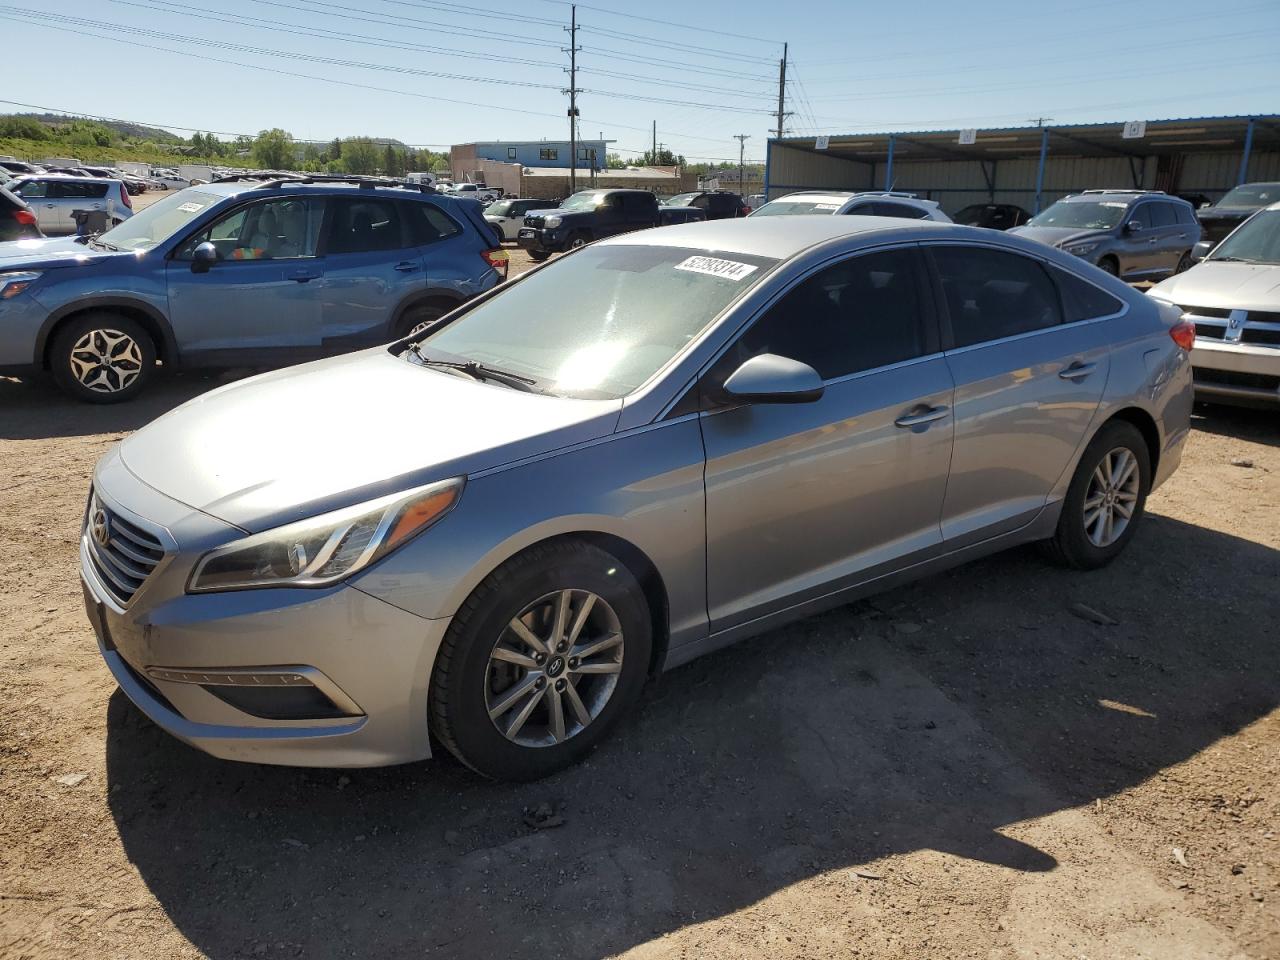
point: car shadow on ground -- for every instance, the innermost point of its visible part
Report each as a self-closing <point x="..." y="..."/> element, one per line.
<point x="931" y="717"/>
<point x="1245" y="423"/>
<point x="34" y="409"/>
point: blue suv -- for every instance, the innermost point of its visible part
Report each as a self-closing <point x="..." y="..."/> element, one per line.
<point x="241" y="272"/>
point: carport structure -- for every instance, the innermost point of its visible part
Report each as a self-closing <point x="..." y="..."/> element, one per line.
<point x="1035" y="165"/>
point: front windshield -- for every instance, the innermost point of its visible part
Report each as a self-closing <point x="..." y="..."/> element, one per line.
<point x="680" y="200"/>
<point x="586" y="200"/>
<point x="1252" y="195"/>
<point x="160" y="221"/>
<point x="608" y="317"/>
<point x="793" y="207"/>
<point x="1256" y="241"/>
<point x="1081" y="214"/>
<point x="500" y="208"/>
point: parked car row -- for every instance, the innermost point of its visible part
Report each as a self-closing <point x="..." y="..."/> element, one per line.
<point x="590" y="215"/>
<point x="55" y="199"/>
<point x="652" y="447"/>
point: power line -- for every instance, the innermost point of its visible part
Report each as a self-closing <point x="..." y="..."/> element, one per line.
<point x="666" y="23"/>
<point x="671" y="44"/>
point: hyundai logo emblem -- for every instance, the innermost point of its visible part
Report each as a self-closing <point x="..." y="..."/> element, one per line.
<point x="100" y="527"/>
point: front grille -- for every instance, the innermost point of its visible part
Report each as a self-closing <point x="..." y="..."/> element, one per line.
<point x="1269" y="338"/>
<point x="534" y="222"/>
<point x="1206" y="311"/>
<point x="1263" y="316"/>
<point x="122" y="553"/>
<point x="1210" y="331"/>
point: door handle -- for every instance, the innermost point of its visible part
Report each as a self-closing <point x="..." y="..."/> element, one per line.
<point x="1077" y="371"/>
<point x="408" y="266"/>
<point x="925" y="416"/>
<point x="50" y="205"/>
<point x="302" y="276"/>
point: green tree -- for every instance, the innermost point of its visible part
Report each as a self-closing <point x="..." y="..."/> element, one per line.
<point x="392" y="162"/>
<point x="664" y="158"/>
<point x="25" y="128"/>
<point x="273" y="149"/>
<point x="359" y="156"/>
<point x="614" y="161"/>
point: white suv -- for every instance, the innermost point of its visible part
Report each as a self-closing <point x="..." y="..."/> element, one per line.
<point x="869" y="203"/>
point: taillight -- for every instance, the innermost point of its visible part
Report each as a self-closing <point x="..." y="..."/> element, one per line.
<point x="497" y="259"/>
<point x="1184" y="334"/>
<point x="25" y="217"/>
<point x="124" y="196"/>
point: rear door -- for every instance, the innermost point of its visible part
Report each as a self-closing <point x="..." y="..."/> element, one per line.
<point x="805" y="499"/>
<point x="372" y="264"/>
<point x="71" y="196"/>
<point x="639" y="210"/>
<point x="260" y="303"/>
<point x="1027" y="384"/>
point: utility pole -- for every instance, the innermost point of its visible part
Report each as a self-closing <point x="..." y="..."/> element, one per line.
<point x="742" y="139"/>
<point x="782" y="91"/>
<point x="573" y="98"/>
<point x="655" y="143"/>
<point x="1039" y="121"/>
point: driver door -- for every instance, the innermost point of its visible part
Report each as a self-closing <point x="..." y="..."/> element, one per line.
<point x="261" y="301"/>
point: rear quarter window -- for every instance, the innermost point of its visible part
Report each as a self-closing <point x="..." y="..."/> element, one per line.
<point x="428" y="223"/>
<point x="1081" y="300"/>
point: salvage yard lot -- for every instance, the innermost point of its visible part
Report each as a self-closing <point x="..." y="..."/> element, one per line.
<point x="960" y="768"/>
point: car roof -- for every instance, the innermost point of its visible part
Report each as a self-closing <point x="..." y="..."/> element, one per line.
<point x="781" y="237"/>
<point x="65" y="176"/>
<point x="234" y="188"/>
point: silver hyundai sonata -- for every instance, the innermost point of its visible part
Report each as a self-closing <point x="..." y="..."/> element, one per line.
<point x="496" y="530"/>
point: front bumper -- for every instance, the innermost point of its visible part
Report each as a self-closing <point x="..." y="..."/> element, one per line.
<point x="1236" y="371"/>
<point x="541" y="241"/>
<point x="367" y="659"/>
<point x="21" y="318"/>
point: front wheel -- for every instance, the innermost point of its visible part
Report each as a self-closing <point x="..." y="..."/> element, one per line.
<point x="1109" y="265"/>
<point x="102" y="358"/>
<point x="538" y="256"/>
<point x="1105" y="500"/>
<point x="579" y="239"/>
<point x="541" y="660"/>
<point x="1184" y="263"/>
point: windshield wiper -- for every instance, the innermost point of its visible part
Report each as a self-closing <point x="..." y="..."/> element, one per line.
<point x="99" y="242"/>
<point x="1233" y="260"/>
<point x="476" y="370"/>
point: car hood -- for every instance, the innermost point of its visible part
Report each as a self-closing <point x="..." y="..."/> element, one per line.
<point x="298" y="442"/>
<point x="1225" y="213"/>
<point x="1229" y="286"/>
<point x="48" y="253"/>
<point x="1058" y="236"/>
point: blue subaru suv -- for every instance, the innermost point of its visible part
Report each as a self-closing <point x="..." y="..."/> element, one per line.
<point x="243" y="272"/>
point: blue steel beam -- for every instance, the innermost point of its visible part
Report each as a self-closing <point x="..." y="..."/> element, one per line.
<point x="1244" y="159"/>
<point x="1044" y="149"/>
<point x="888" y="167"/>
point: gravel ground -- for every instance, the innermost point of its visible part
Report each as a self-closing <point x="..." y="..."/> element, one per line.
<point x="961" y="768"/>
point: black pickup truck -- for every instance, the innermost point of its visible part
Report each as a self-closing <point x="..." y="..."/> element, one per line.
<point x="592" y="214"/>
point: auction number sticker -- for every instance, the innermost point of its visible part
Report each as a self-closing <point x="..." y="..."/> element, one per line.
<point x="190" y="207"/>
<point x="714" y="267"/>
<point x="826" y="206"/>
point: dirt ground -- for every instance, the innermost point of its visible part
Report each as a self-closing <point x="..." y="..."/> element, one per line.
<point x="959" y="768"/>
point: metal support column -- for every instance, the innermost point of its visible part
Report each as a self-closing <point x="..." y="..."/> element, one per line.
<point x="1244" y="160"/>
<point x="1044" y="149"/>
<point x="888" y="167"/>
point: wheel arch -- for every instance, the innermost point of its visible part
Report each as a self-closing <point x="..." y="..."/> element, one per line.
<point x="151" y="319"/>
<point x="1146" y="425"/>
<point x="447" y="301"/>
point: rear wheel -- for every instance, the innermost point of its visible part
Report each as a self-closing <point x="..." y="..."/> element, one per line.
<point x="102" y="358"/>
<point x="541" y="660"/>
<point x="1105" y="500"/>
<point x="418" y="319"/>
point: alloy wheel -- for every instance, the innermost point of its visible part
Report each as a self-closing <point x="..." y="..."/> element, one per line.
<point x="554" y="668"/>
<point x="1112" y="497"/>
<point x="106" y="360"/>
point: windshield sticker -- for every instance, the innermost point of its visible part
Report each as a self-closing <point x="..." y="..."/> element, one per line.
<point x="826" y="206"/>
<point x="1112" y="203"/>
<point x="713" y="267"/>
<point x="190" y="207"/>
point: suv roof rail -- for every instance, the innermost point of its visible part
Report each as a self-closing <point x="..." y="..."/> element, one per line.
<point x="1123" y="190"/>
<point x="365" y="183"/>
<point x="889" y="193"/>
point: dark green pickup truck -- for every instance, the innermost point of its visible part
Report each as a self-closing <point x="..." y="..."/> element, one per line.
<point x="592" y="214"/>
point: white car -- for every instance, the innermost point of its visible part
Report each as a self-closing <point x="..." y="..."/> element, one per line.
<point x="476" y="191"/>
<point x="507" y="215"/>
<point x="1233" y="298"/>
<point x="868" y="203"/>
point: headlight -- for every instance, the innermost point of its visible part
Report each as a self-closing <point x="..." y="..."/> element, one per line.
<point x="12" y="284"/>
<point x="327" y="548"/>
<point x="1081" y="249"/>
<point x="552" y="222"/>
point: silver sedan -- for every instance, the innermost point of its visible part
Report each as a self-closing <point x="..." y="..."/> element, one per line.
<point x="497" y="530"/>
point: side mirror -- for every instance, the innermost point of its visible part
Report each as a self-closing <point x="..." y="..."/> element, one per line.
<point x="1133" y="226"/>
<point x="1201" y="250"/>
<point x="203" y="257"/>
<point x="769" y="378"/>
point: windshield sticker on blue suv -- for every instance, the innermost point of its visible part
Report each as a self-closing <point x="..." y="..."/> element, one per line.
<point x="713" y="267"/>
<point x="190" y="207"/>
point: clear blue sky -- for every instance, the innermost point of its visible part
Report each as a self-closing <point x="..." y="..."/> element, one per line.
<point x="906" y="65"/>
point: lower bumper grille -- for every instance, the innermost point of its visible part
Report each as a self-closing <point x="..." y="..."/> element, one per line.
<point x="123" y="554"/>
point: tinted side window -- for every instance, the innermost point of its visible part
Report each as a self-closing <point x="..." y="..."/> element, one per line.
<point x="1163" y="214"/>
<point x="1081" y="300"/>
<point x="363" y="225"/>
<point x="862" y="313"/>
<point x="428" y="223"/>
<point x="992" y="294"/>
<point x="865" y="209"/>
<point x="1142" y="214"/>
<point x="33" y="189"/>
<point x="637" y="204"/>
<point x="276" y="229"/>
<point x="68" y="190"/>
<point x="888" y="209"/>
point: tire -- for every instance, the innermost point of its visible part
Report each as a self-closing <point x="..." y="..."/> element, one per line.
<point x="80" y="347"/>
<point x="416" y="317"/>
<point x="538" y="256"/>
<point x="1184" y="263"/>
<point x="468" y="684"/>
<point x="579" y="239"/>
<point x="1076" y="543"/>
<point x="1109" y="265"/>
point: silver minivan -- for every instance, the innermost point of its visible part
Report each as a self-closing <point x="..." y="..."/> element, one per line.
<point x="54" y="198"/>
<point x="650" y="448"/>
